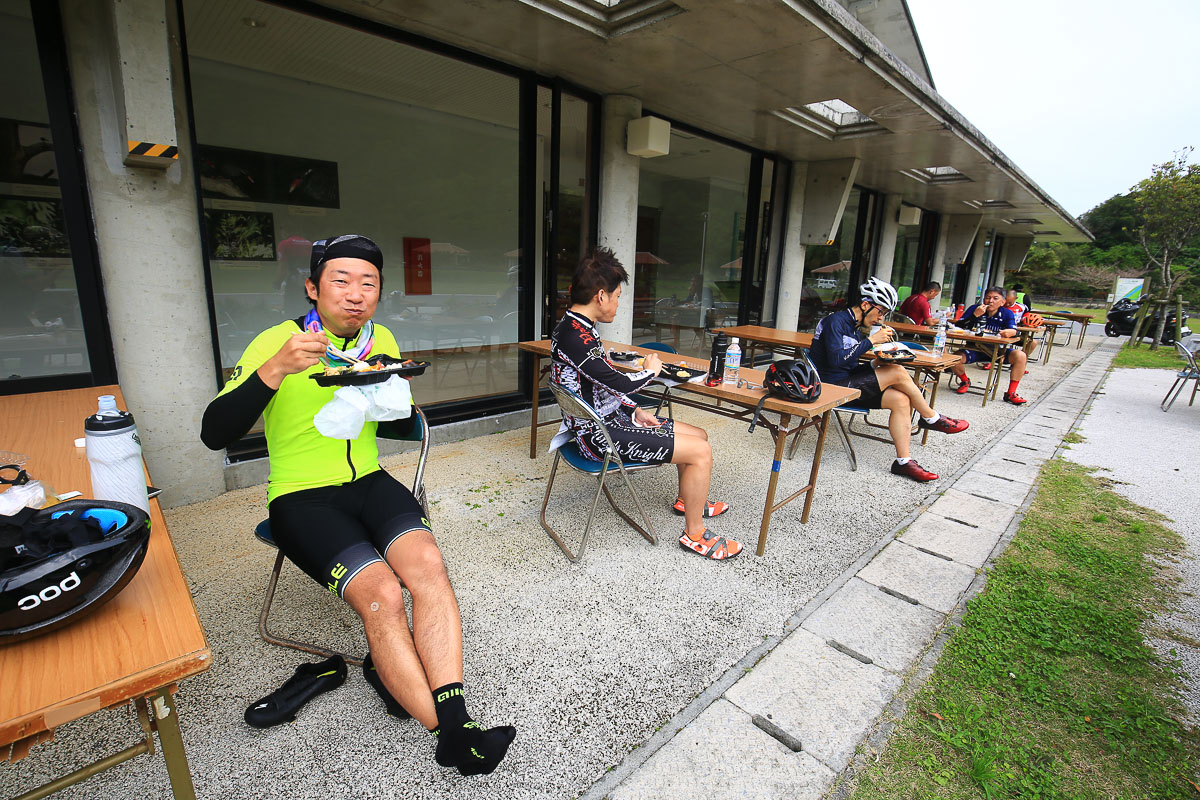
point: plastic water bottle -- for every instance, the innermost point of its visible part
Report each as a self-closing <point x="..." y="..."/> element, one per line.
<point x="733" y="362"/>
<point x="114" y="453"/>
<point x="939" y="339"/>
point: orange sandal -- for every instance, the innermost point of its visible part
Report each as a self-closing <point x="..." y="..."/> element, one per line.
<point x="711" y="510"/>
<point x="716" y="548"/>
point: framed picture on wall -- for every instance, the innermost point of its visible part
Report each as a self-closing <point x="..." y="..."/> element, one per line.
<point x="32" y="227"/>
<point x="240" y="235"/>
<point x="27" y="153"/>
<point x="229" y="173"/>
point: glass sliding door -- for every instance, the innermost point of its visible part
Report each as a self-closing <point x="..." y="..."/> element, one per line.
<point x="833" y="272"/>
<point x="567" y="189"/>
<point x="691" y="231"/>
<point x="307" y="129"/>
<point x="52" y="328"/>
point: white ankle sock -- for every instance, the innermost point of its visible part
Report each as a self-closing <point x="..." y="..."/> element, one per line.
<point x="903" y="461"/>
<point x="930" y="420"/>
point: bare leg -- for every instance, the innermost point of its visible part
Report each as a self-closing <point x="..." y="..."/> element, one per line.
<point x="376" y="596"/>
<point x="1018" y="359"/>
<point x="900" y="420"/>
<point x="693" y="457"/>
<point x="894" y="376"/>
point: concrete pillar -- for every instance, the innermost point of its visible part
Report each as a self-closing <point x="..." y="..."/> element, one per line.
<point x="937" y="271"/>
<point x="618" y="204"/>
<point x="976" y="266"/>
<point x="148" y="232"/>
<point x="887" y="237"/>
<point x="791" y="276"/>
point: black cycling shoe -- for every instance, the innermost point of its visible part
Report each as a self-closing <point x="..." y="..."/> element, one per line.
<point x="309" y="681"/>
<point x="390" y="703"/>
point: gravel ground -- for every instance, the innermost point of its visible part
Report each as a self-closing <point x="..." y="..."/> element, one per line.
<point x="1151" y="456"/>
<point x="587" y="660"/>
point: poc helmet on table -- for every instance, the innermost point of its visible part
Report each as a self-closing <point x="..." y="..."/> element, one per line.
<point x="881" y="293"/>
<point x="62" y="562"/>
<point x="793" y="379"/>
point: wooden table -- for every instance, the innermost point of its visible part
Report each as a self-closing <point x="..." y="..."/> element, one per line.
<point x="134" y="648"/>
<point x="731" y="402"/>
<point x="991" y="346"/>
<point x="927" y="368"/>
<point x="1082" y="319"/>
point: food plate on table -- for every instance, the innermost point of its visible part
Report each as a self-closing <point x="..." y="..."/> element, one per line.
<point x="377" y="369"/>
<point x="675" y="374"/>
<point x="893" y="352"/>
<point x="624" y="355"/>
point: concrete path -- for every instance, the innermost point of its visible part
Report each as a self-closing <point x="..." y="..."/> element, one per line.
<point x="789" y="722"/>
<point x="1151" y="456"/>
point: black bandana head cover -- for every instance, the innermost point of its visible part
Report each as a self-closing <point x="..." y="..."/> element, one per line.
<point x="348" y="246"/>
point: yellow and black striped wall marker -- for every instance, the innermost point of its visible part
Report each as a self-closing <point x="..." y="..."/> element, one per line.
<point x="149" y="154"/>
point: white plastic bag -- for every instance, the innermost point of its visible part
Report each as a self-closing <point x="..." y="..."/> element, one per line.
<point x="343" y="417"/>
<point x="29" y="495"/>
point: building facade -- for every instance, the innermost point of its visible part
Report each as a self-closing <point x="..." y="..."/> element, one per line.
<point x="166" y="164"/>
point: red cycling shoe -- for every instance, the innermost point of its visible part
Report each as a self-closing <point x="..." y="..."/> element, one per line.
<point x="913" y="470"/>
<point x="944" y="424"/>
<point x="964" y="386"/>
<point x="1014" y="398"/>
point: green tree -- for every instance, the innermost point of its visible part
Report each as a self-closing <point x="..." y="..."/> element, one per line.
<point x="1168" y="203"/>
<point x="1113" y="222"/>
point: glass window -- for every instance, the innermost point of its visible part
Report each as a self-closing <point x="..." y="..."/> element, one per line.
<point x="832" y="272"/>
<point x="307" y="129"/>
<point x="904" y="267"/>
<point x="41" y="322"/>
<point x="690" y="231"/>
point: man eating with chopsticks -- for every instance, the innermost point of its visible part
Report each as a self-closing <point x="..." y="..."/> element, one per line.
<point x="344" y="520"/>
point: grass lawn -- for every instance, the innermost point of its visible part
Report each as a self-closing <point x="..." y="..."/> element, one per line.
<point x="1165" y="357"/>
<point x="1048" y="689"/>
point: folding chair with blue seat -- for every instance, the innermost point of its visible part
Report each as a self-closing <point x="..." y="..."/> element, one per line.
<point x="644" y="398"/>
<point x="573" y="405"/>
<point x="845" y="428"/>
<point x="420" y="433"/>
<point x="1188" y="373"/>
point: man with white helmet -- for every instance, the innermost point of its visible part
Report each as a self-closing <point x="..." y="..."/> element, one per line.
<point x="840" y="342"/>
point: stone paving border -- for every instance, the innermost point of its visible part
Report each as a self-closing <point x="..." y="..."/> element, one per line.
<point x="847" y="663"/>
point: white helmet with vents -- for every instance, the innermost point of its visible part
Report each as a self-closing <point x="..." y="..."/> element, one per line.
<point x="881" y="293"/>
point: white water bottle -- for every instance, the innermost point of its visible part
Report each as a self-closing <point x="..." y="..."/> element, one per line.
<point x="733" y="362"/>
<point x="939" y="339"/>
<point x="114" y="453"/>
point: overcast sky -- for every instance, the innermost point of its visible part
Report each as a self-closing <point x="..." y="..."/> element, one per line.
<point x="1084" y="97"/>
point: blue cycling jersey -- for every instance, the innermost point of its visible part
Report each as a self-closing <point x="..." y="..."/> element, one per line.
<point x="837" y="346"/>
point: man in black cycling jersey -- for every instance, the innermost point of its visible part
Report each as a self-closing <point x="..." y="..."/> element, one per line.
<point x="339" y="516"/>
<point x="580" y="363"/>
<point x="839" y="344"/>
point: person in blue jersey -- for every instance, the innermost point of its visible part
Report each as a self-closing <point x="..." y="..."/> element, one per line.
<point x="839" y="344"/>
<point x="993" y="318"/>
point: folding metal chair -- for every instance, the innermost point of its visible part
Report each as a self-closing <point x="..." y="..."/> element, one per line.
<point x="573" y="405"/>
<point x="1188" y="373"/>
<point x="263" y="532"/>
<point x="644" y="398"/>
<point x="845" y="415"/>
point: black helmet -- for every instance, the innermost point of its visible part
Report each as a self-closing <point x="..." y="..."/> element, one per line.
<point x="61" y="562"/>
<point x="794" y="379"/>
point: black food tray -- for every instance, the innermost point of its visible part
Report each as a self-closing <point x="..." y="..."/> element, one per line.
<point x="368" y="378"/>
<point x="671" y="377"/>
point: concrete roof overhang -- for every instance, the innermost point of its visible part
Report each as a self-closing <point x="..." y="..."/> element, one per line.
<point x="734" y="68"/>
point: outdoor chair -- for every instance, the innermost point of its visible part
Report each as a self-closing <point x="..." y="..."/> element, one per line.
<point x="898" y="316"/>
<point x="420" y="434"/>
<point x="1188" y="373"/>
<point x="644" y="398"/>
<point x="574" y="405"/>
<point x="845" y="415"/>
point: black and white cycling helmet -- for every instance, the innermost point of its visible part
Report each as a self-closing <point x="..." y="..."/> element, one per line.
<point x="792" y="379"/>
<point x="62" y="562"/>
<point x="881" y="293"/>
